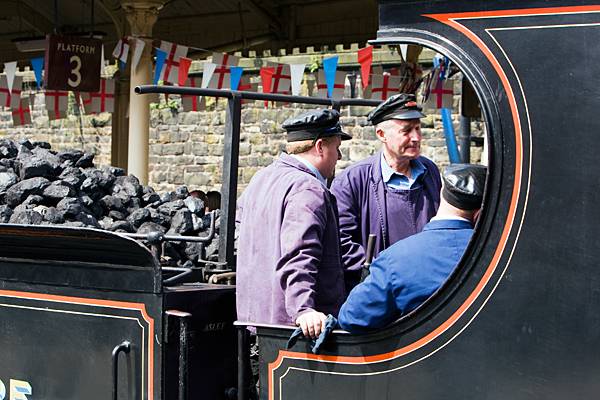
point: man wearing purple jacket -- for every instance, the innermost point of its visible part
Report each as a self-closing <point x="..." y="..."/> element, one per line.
<point x="289" y="266"/>
<point x="392" y="194"/>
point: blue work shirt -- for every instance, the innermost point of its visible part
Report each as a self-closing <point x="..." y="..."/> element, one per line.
<point x="405" y="275"/>
<point x="396" y="180"/>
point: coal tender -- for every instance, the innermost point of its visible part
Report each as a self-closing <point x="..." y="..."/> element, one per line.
<point x="91" y="314"/>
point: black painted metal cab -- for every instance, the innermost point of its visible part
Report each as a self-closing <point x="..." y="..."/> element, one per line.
<point x="519" y="317"/>
<point x="84" y="315"/>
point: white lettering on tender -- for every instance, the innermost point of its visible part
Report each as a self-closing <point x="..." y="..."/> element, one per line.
<point x="19" y="390"/>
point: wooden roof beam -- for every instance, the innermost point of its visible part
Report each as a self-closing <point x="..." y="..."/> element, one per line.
<point x="29" y="16"/>
<point x="273" y="20"/>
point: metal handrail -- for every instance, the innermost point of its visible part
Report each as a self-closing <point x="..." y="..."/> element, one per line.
<point x="226" y="93"/>
<point x="232" y="142"/>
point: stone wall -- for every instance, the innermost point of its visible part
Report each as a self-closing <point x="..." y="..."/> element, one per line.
<point x="186" y="148"/>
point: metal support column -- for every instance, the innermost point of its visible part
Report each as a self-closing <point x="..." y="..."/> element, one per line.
<point x="230" y="175"/>
<point x="142" y="16"/>
<point x="464" y="139"/>
<point x="244" y="371"/>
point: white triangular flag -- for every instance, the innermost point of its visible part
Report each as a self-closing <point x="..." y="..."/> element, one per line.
<point x="404" y="51"/>
<point x="121" y="50"/>
<point x="137" y="52"/>
<point x="9" y="69"/>
<point x="297" y="72"/>
<point x="102" y="72"/>
<point x="209" y="70"/>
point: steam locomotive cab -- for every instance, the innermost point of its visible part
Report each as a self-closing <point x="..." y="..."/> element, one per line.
<point x="518" y="318"/>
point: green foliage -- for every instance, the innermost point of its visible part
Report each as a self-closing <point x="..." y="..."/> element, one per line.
<point x="171" y="104"/>
<point x="316" y="62"/>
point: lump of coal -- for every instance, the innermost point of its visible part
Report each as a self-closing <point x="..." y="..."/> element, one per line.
<point x="26" y="217"/>
<point x="69" y="206"/>
<point x="85" y="161"/>
<point x="195" y="205"/>
<point x="130" y="185"/>
<point x="5" y="213"/>
<point x="8" y="149"/>
<point x="181" y="223"/>
<point x="54" y="216"/>
<point x="58" y="190"/>
<point x="20" y="190"/>
<point x="7" y="179"/>
<point x="150" y="226"/>
<point x="181" y="192"/>
<point x="39" y="162"/>
<point x="138" y="217"/>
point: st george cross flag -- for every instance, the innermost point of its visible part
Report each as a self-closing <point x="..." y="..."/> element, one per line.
<point x="104" y="99"/>
<point x="22" y="114"/>
<point x="281" y="81"/>
<point x="121" y="50"/>
<point x="384" y="86"/>
<point x="174" y="52"/>
<point x="338" y="88"/>
<point x="221" y="77"/>
<point x="192" y="102"/>
<point x="441" y="93"/>
<point x="247" y="86"/>
<point x="10" y="99"/>
<point x="427" y="85"/>
<point x="56" y="103"/>
<point x="85" y="100"/>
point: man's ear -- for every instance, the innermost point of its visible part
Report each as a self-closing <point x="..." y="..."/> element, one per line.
<point x="380" y="134"/>
<point x="319" y="146"/>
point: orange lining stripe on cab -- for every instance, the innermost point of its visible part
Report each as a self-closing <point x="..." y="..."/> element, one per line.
<point x="101" y="303"/>
<point x="449" y="19"/>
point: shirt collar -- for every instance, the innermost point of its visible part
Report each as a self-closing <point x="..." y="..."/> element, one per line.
<point x="312" y="168"/>
<point x="416" y="168"/>
<point x="456" y="218"/>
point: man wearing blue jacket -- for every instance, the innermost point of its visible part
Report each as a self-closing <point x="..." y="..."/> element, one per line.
<point x="412" y="269"/>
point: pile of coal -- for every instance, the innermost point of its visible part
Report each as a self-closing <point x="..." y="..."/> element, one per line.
<point x="40" y="186"/>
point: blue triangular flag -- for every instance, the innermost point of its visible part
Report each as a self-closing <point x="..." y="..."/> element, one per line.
<point x="161" y="56"/>
<point x="236" y="76"/>
<point x="38" y="65"/>
<point x="329" y="67"/>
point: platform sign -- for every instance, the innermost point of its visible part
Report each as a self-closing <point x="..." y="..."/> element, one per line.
<point x="72" y="63"/>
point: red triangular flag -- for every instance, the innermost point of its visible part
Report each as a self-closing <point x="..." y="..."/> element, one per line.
<point x="365" y="59"/>
<point x="184" y="67"/>
<point x="266" y="76"/>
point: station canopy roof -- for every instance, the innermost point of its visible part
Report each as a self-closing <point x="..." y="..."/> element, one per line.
<point x="204" y="26"/>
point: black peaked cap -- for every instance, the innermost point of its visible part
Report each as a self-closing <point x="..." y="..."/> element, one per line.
<point x="313" y="125"/>
<point x="399" y="106"/>
<point x="464" y="185"/>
